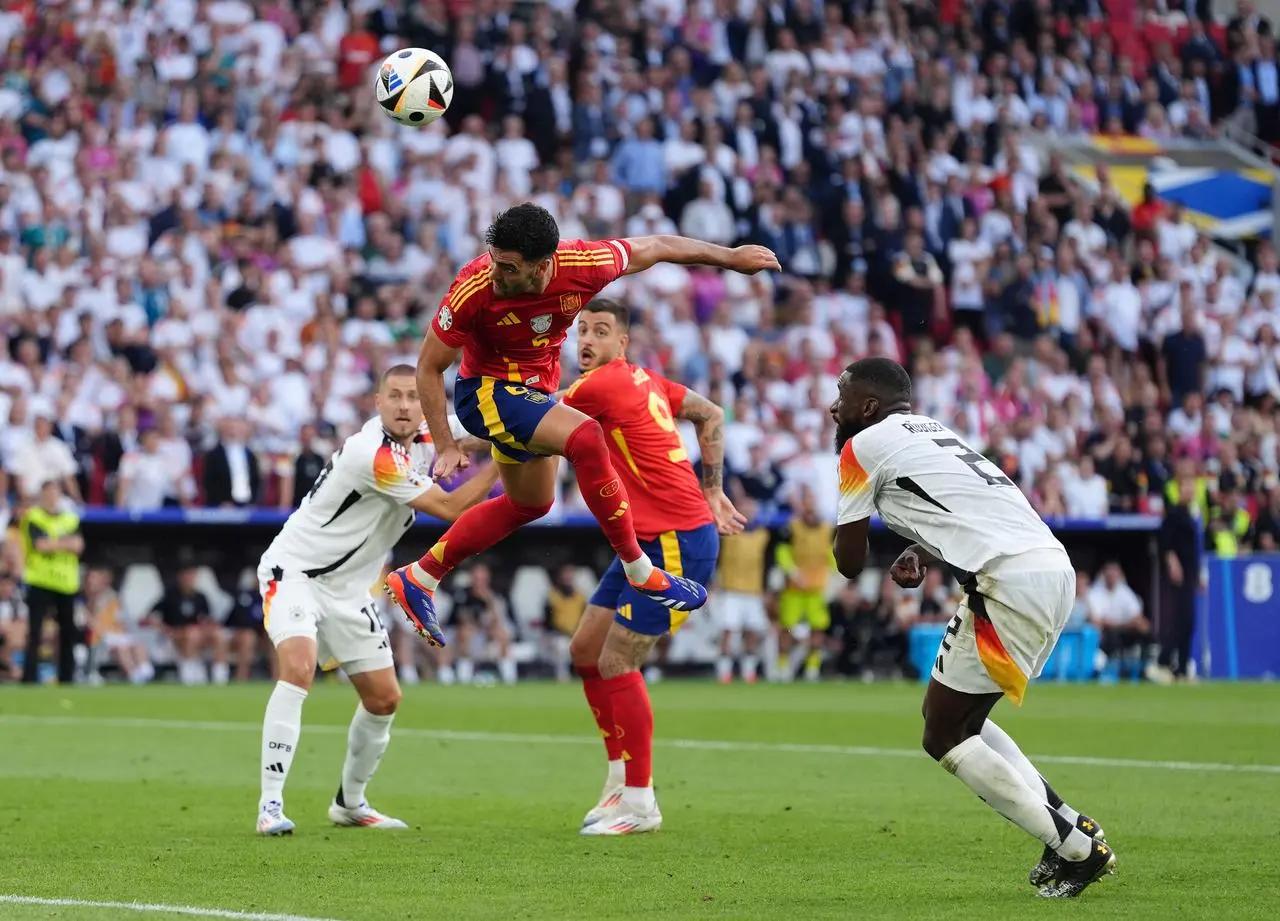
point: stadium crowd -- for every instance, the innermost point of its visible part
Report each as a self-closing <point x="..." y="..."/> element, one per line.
<point x="211" y="240"/>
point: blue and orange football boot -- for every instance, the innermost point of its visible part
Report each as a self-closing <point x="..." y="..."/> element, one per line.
<point x="416" y="601"/>
<point x="674" y="592"/>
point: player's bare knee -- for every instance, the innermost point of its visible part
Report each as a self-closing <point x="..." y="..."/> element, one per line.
<point x="583" y="652"/>
<point x="383" y="701"/>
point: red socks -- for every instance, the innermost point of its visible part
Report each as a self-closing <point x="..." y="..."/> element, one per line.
<point x="601" y="489"/>
<point x="633" y="719"/>
<point x="476" y="530"/>
<point x="601" y="703"/>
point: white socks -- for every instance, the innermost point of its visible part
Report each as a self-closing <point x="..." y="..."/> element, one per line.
<point x="1008" y="749"/>
<point x="424" y="578"/>
<point x="507" y="671"/>
<point x="281" y="726"/>
<point x="724" y="668"/>
<point x="998" y="784"/>
<point x="750" y="668"/>
<point x="639" y="799"/>
<point x="367" y="741"/>
<point x="617" y="773"/>
<point x="638" y="571"/>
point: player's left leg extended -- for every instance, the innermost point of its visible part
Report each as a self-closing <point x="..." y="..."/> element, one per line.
<point x="584" y="651"/>
<point x="367" y="741"/>
<point x="973" y="671"/>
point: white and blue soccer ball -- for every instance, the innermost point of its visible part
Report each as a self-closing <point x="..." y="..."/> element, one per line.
<point x="414" y="86"/>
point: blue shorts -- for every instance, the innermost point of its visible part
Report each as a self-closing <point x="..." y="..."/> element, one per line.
<point x="505" y="414"/>
<point x="691" y="554"/>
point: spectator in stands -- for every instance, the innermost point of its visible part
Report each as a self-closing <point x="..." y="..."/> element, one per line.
<point x="739" y="608"/>
<point x="248" y="635"/>
<point x="52" y="546"/>
<point x="1182" y="537"/>
<point x="804" y="556"/>
<point x="309" y="462"/>
<point x="566" y="603"/>
<point x="478" y="614"/>
<point x="112" y="628"/>
<point x="44" y="457"/>
<point x="231" y="473"/>
<point x="148" y="479"/>
<point x="1117" y="611"/>
<point x="13" y="626"/>
<point x="183" y="612"/>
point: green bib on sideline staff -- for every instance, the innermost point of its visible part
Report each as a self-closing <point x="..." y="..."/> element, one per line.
<point x="59" y="570"/>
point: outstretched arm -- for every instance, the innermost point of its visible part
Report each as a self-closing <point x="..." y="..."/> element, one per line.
<point x="708" y="421"/>
<point x="647" y="252"/>
<point x="433" y="360"/>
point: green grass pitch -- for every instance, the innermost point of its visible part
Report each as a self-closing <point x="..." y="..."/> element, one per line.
<point x="795" y="802"/>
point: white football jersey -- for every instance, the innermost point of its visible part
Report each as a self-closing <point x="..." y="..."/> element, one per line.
<point x="933" y="489"/>
<point x="356" y="511"/>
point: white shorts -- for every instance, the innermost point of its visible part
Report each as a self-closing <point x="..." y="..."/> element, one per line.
<point x="1003" y="634"/>
<point x="345" y="628"/>
<point x="736" y="612"/>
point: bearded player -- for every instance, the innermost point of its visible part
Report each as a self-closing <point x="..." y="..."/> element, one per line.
<point x="965" y="515"/>
<point x="315" y="580"/>
<point x="678" y="523"/>
<point x="508" y="312"/>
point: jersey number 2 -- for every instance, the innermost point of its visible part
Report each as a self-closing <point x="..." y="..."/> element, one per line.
<point x="974" y="460"/>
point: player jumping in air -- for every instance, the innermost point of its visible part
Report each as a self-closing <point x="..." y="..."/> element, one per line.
<point x="315" y="580"/>
<point x="508" y="311"/>
<point x="964" y="514"/>
<point x="678" y="523"/>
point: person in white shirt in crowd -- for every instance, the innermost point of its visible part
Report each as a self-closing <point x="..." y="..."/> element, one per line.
<point x="1086" y="490"/>
<point x="43" y="457"/>
<point x="1116" y="610"/>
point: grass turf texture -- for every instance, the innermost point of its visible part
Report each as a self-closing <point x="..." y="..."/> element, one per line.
<point x="114" y="794"/>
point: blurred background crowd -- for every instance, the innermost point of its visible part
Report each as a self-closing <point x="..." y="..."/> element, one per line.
<point x="211" y="241"/>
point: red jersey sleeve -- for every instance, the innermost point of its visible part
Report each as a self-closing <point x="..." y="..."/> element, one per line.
<point x="674" y="392"/>
<point x="590" y="393"/>
<point x="599" y="262"/>
<point x="461" y="305"/>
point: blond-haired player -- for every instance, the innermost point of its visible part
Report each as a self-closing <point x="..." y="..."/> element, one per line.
<point x="315" y="601"/>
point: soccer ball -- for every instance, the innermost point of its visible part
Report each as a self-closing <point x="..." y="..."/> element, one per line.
<point x="414" y="86"/>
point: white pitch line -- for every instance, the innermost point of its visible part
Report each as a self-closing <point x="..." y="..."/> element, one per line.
<point x="165" y="909"/>
<point x="520" y="738"/>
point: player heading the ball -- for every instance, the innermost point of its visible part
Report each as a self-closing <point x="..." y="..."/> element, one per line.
<point x="507" y="312"/>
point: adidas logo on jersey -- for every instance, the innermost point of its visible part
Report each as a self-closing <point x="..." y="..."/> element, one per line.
<point x="509" y="320"/>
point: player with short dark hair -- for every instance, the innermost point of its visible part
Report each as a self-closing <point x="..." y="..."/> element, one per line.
<point x="964" y="514"/>
<point x="507" y="312"/>
<point x="678" y="522"/>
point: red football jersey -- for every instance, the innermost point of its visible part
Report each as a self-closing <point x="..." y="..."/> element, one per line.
<point x="637" y="409"/>
<point x="518" y="339"/>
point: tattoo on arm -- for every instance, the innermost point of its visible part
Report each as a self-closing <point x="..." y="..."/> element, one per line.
<point x="708" y="419"/>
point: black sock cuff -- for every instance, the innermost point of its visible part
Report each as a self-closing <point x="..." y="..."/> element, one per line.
<point x="1051" y="795"/>
<point x="1062" y="825"/>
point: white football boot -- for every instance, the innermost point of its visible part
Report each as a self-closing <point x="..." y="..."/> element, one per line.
<point x="272" y="820"/>
<point x="362" y="816"/>
<point x="625" y="820"/>
<point x="610" y="800"/>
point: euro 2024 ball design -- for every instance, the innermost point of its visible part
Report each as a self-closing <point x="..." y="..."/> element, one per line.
<point x="414" y="86"/>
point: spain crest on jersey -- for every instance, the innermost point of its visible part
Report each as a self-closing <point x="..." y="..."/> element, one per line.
<point x="540" y="324"/>
<point x="570" y="304"/>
